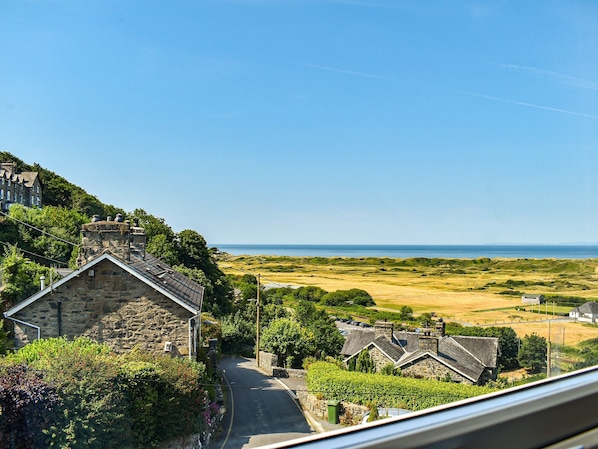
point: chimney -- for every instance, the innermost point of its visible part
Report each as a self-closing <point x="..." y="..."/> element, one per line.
<point x="98" y="237"/>
<point x="428" y="343"/>
<point x="384" y="328"/>
<point x="42" y="282"/>
<point x="439" y="328"/>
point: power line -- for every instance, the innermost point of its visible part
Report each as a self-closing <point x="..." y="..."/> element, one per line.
<point x="34" y="254"/>
<point x="39" y="230"/>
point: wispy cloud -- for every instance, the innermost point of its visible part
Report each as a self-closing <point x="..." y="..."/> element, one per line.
<point x="462" y="92"/>
<point x="529" y="105"/>
<point x="561" y="78"/>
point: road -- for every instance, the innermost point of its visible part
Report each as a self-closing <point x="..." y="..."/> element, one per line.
<point x="259" y="410"/>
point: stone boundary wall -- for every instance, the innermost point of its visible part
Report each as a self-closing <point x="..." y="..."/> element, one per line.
<point x="284" y="373"/>
<point x="349" y="414"/>
<point x="268" y="362"/>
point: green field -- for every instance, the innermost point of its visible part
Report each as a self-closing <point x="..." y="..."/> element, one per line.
<point x="467" y="291"/>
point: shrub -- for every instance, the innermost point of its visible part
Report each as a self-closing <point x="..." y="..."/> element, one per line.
<point x="330" y="382"/>
<point x="27" y="405"/>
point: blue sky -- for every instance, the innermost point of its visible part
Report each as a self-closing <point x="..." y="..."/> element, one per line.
<point x="315" y="121"/>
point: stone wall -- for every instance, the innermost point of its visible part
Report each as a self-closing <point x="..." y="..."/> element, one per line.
<point x="379" y="359"/>
<point x="349" y="414"/>
<point x="268" y="362"/>
<point x="111" y="306"/>
<point x="430" y="368"/>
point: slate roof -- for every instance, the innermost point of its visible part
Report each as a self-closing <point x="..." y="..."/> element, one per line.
<point x="150" y="270"/>
<point x="157" y="272"/>
<point x="393" y="351"/>
<point x="469" y="356"/>
<point x="357" y="340"/>
<point x="590" y="308"/>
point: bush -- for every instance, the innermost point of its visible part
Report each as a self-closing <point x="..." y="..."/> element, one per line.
<point x="27" y="406"/>
<point x="115" y="401"/>
<point x="330" y="382"/>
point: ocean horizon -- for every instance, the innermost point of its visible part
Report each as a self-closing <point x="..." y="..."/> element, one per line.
<point x="533" y="251"/>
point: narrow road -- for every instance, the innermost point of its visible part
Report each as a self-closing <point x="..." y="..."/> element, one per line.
<point x="259" y="410"/>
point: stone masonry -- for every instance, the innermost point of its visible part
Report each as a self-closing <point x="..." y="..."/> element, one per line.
<point x="110" y="306"/>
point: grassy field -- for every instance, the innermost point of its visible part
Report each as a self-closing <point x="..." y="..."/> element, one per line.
<point x="468" y="291"/>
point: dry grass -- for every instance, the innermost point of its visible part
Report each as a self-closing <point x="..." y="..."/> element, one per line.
<point x="463" y="291"/>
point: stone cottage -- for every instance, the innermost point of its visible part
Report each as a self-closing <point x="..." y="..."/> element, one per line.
<point x="429" y="354"/>
<point x="119" y="295"/>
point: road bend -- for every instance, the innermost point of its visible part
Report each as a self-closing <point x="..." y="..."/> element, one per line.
<point x="259" y="410"/>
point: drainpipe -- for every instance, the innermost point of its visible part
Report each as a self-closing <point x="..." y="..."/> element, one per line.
<point x="39" y="332"/>
<point x="193" y="334"/>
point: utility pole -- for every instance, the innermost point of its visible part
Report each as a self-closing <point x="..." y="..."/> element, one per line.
<point x="257" y="325"/>
<point x="548" y="355"/>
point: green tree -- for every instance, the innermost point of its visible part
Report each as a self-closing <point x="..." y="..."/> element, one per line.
<point x="20" y="276"/>
<point x="532" y="354"/>
<point x="365" y="363"/>
<point x="508" y="342"/>
<point x="406" y="313"/>
<point x="309" y="293"/>
<point x="285" y="338"/>
<point x="344" y="297"/>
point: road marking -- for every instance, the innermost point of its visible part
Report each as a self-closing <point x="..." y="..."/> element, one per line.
<point x="232" y="411"/>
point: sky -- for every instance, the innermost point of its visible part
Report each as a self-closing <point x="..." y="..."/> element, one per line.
<point x="315" y="121"/>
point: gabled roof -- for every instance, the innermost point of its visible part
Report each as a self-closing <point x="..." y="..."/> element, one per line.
<point x="588" y="307"/>
<point x="484" y="349"/>
<point x="150" y="270"/>
<point x="357" y="340"/>
<point x="469" y="356"/>
<point x="392" y="351"/>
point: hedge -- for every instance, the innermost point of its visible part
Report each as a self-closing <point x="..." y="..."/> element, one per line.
<point x="106" y="400"/>
<point x="328" y="381"/>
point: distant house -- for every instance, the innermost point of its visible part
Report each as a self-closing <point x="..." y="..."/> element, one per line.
<point x="587" y="312"/>
<point x="19" y="187"/>
<point x="532" y="299"/>
<point x="429" y="354"/>
<point x="119" y="295"/>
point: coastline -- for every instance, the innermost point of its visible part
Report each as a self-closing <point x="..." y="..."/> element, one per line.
<point x="580" y="251"/>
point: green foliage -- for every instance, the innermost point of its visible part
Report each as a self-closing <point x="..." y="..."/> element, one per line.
<point x="532" y="354"/>
<point x="364" y="362"/>
<point x="20" y="276"/>
<point x="508" y="342"/>
<point x="330" y="382"/>
<point x="390" y="370"/>
<point x="116" y="401"/>
<point x="238" y="334"/>
<point x="374" y="414"/>
<point x="406" y="313"/>
<point x="353" y="296"/>
<point x="309" y="293"/>
<point x="28" y="405"/>
<point x="285" y="338"/>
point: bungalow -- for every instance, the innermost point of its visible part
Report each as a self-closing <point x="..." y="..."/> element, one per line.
<point x="532" y="299"/>
<point x="429" y="354"/>
<point x="587" y="312"/>
<point x="119" y="295"/>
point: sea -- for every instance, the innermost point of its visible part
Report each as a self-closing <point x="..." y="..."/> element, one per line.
<point x="409" y="251"/>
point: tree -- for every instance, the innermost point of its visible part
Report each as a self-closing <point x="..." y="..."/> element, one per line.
<point x="285" y="338"/>
<point x="365" y="363"/>
<point x="309" y="293"/>
<point x="532" y="354"/>
<point x="344" y="297"/>
<point x="406" y="313"/>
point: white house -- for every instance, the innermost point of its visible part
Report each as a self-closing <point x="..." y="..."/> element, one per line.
<point x="532" y="299"/>
<point x="587" y="312"/>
